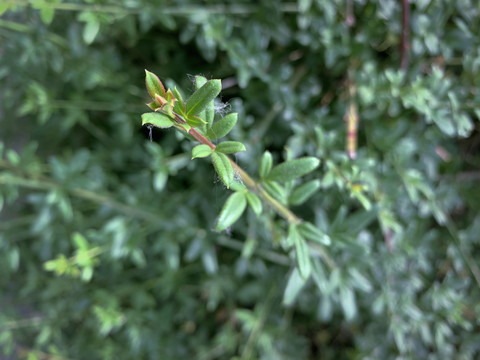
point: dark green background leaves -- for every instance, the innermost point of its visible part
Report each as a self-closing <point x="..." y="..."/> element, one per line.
<point x="393" y="234"/>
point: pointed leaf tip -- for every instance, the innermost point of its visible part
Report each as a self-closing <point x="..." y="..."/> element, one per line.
<point x="265" y="164"/>
<point x="230" y="147"/>
<point x="153" y="84"/>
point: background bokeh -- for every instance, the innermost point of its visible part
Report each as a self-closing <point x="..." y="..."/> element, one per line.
<point x="106" y="242"/>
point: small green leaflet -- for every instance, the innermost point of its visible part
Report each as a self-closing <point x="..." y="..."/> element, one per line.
<point x="313" y="233"/>
<point x="292" y="169"/>
<point x="265" y="164"/>
<point x="179" y="106"/>
<point x="295" y="284"/>
<point x="201" y="151"/>
<point x="202" y="97"/>
<point x="255" y="203"/>
<point x="223" y="167"/>
<point x="230" y="147"/>
<point x="157" y="119"/>
<point x="194" y="121"/>
<point x="301" y="250"/>
<point x="153" y="84"/>
<point x="223" y="126"/>
<point x="232" y="210"/>
<point x="303" y="192"/>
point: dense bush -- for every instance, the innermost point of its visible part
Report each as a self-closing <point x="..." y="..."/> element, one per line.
<point x="107" y="240"/>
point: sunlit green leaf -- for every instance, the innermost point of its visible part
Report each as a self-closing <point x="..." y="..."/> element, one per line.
<point x="230" y="147"/>
<point x="254" y="202"/>
<point x="46" y="14"/>
<point x="157" y="119"/>
<point x="292" y="169"/>
<point x="179" y="106"/>
<point x="80" y="241"/>
<point x="201" y="151"/>
<point x="223" y="126"/>
<point x="295" y="284"/>
<point x="90" y="31"/>
<point x="223" y="167"/>
<point x="347" y="300"/>
<point x="303" y="192"/>
<point x="232" y="210"/>
<point x="200" y="81"/>
<point x="202" y="97"/>
<point x="312" y="233"/>
<point x="302" y="253"/>
<point x="276" y="190"/>
<point x="265" y="164"/>
<point x="154" y="85"/>
<point x="209" y="260"/>
<point x="194" y="121"/>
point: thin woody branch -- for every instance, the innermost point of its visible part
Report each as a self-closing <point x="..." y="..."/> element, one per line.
<point x="405" y="44"/>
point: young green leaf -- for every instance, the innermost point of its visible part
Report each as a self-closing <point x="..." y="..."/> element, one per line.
<point x="154" y="105"/>
<point x="292" y="169"/>
<point x="179" y="107"/>
<point x="223" y="126"/>
<point x="313" y="233"/>
<point x="223" y="167"/>
<point x="230" y="147"/>
<point x="154" y="85"/>
<point x="265" y="164"/>
<point x="194" y="121"/>
<point x="301" y="250"/>
<point x="201" y="151"/>
<point x="274" y="189"/>
<point x="249" y="247"/>
<point x="202" y="97"/>
<point x="303" y="192"/>
<point x="210" y="114"/>
<point x="157" y="119"/>
<point x="80" y="241"/>
<point x="232" y="210"/>
<point x="255" y="203"/>
<point x="200" y="81"/>
<point x="295" y="284"/>
<point x="237" y="186"/>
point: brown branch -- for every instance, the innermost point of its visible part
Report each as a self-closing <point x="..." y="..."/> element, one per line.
<point x="350" y="17"/>
<point x="405" y="44"/>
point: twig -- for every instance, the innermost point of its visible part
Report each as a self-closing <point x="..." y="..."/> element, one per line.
<point x="247" y="180"/>
<point x="350" y="17"/>
<point x="405" y="44"/>
<point x="234" y="9"/>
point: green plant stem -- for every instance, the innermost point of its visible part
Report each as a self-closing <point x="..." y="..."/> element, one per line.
<point x="247" y="179"/>
<point x="258" y="189"/>
<point x="45" y="184"/>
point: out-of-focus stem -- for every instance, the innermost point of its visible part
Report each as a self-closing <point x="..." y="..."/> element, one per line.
<point x="405" y="45"/>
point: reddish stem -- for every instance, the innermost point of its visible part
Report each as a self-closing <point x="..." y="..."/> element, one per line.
<point x="405" y="45"/>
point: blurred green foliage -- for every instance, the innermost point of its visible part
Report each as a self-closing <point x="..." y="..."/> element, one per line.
<point x="106" y="242"/>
